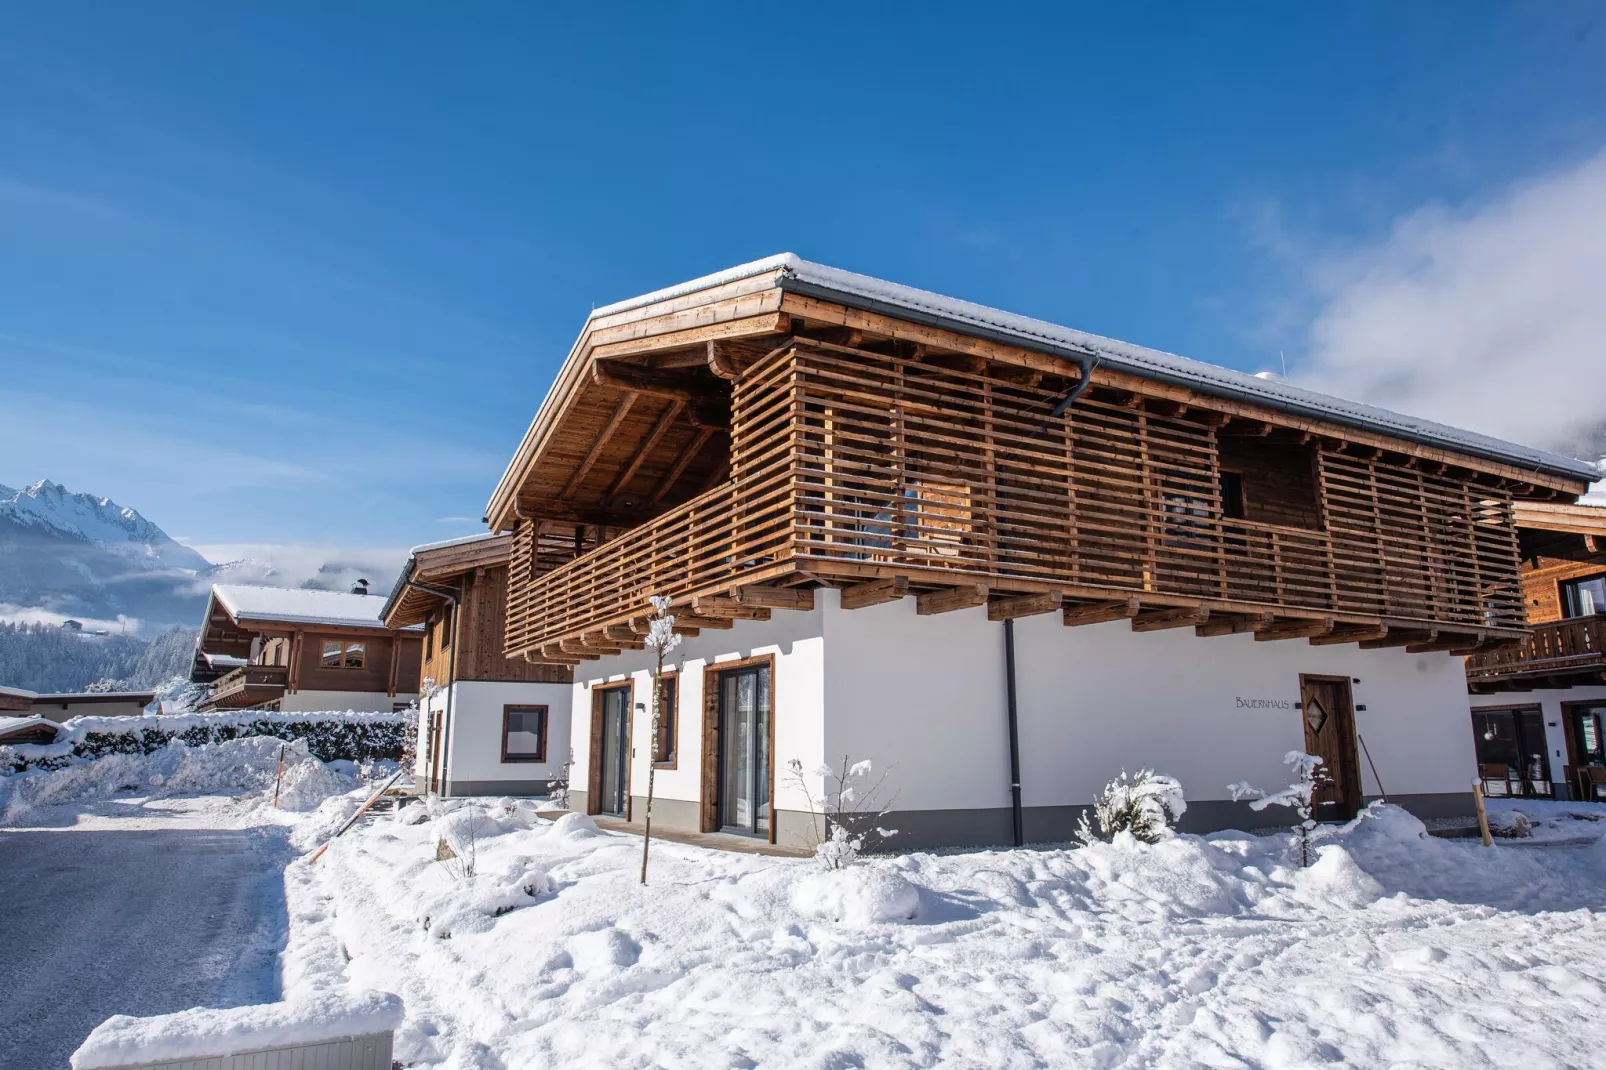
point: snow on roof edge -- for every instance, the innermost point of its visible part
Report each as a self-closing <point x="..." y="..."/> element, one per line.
<point x="802" y="275"/>
<point x="234" y="598"/>
<point x="18" y="692"/>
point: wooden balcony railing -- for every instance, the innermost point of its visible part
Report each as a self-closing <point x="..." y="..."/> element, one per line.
<point x="853" y="470"/>
<point x="1554" y="649"/>
<point x="249" y="685"/>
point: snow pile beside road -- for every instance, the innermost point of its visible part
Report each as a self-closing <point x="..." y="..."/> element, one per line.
<point x="1194" y="951"/>
<point x="245" y="766"/>
<point x="202" y="1032"/>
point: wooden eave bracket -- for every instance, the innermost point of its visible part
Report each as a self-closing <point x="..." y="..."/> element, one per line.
<point x="718" y="606"/>
<point x="1100" y="612"/>
<point x="1233" y="625"/>
<point x="1295" y="629"/>
<point x="1026" y="605"/>
<point x="1351" y="633"/>
<point x="1156" y="620"/>
<point x="874" y="592"/>
<point x="768" y="597"/>
<point x="949" y="599"/>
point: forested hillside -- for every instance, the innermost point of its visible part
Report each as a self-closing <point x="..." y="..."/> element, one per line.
<point x="41" y="657"/>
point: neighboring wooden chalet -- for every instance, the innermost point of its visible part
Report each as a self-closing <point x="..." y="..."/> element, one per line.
<point x="61" y="706"/>
<point x="489" y="724"/>
<point x="306" y="650"/>
<point x="1539" y="708"/>
<point x="23" y="730"/>
<point x="982" y="551"/>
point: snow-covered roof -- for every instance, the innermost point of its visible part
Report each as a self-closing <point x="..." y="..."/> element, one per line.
<point x="224" y="661"/>
<point x="17" y="692"/>
<point x="461" y="540"/>
<point x="797" y="275"/>
<point x="12" y="725"/>
<point x="299" y="605"/>
<point x="142" y="697"/>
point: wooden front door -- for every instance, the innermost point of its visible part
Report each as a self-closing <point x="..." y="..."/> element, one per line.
<point x="1328" y="712"/>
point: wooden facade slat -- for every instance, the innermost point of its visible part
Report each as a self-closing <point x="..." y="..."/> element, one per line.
<point x="862" y="467"/>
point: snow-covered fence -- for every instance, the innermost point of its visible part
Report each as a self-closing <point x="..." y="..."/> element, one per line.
<point x="355" y="1032"/>
<point x="329" y="735"/>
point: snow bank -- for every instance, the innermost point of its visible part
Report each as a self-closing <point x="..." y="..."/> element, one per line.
<point x="203" y="1033"/>
<point x="1214" y="950"/>
<point x="857" y="896"/>
<point x="239" y="766"/>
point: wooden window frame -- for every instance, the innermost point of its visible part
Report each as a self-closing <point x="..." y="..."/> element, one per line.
<point x="708" y="788"/>
<point x="1566" y="604"/>
<point x="672" y="678"/>
<point x="594" y="761"/>
<point x="345" y="646"/>
<point x="510" y="708"/>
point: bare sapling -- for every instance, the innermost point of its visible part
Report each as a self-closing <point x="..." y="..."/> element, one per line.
<point x="845" y="818"/>
<point x="557" y="787"/>
<point x="661" y="639"/>
<point x="1310" y="773"/>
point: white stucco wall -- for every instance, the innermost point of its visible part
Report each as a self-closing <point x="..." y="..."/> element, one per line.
<point x="793" y="638"/>
<point x="360" y="701"/>
<point x="926" y="696"/>
<point x="475" y="751"/>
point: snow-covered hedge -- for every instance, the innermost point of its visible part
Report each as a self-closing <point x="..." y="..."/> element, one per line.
<point x="329" y="735"/>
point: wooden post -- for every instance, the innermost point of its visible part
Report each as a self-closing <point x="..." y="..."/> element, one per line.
<point x="278" y="778"/>
<point x="1483" y="817"/>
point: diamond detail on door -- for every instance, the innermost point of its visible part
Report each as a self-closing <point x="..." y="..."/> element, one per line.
<point x="1315" y="715"/>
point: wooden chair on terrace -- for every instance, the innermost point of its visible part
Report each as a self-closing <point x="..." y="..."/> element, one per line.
<point x="1592" y="783"/>
<point x="1496" y="779"/>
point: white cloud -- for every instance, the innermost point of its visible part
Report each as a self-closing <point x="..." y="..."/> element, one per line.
<point x="1490" y="317"/>
<point x="301" y="565"/>
<point x="15" y="614"/>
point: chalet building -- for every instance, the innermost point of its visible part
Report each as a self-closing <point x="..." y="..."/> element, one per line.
<point x="488" y="724"/>
<point x="304" y="650"/>
<point x="61" y="706"/>
<point x="1539" y="708"/>
<point x="1000" y="559"/>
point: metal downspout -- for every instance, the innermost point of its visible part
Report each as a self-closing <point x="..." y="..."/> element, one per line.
<point x="1017" y="811"/>
<point x="451" y="670"/>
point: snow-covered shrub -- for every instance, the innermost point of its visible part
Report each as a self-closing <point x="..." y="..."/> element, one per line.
<point x="1146" y="805"/>
<point x="863" y="895"/>
<point x="557" y="788"/>
<point x="846" y="819"/>
<point x="1310" y="773"/>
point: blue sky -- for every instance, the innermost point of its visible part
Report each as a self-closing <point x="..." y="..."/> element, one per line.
<point x="280" y="274"/>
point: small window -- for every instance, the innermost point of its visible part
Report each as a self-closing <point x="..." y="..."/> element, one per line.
<point x="663" y="744"/>
<point x="1584" y="598"/>
<point x="429" y="644"/>
<point x="524" y="733"/>
<point x="339" y="655"/>
<point x="446" y="629"/>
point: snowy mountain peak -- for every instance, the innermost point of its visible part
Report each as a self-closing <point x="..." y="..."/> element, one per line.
<point x="51" y="507"/>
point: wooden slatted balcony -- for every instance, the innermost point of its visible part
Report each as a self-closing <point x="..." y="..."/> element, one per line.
<point x="847" y="470"/>
<point x="1560" y="653"/>
<point x="249" y="685"/>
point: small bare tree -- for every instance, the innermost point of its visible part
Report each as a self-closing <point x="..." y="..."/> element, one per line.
<point x="661" y="639"/>
<point x="1310" y="773"/>
<point x="845" y="819"/>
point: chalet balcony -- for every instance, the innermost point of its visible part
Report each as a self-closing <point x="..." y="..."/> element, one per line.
<point x="896" y="476"/>
<point x="247" y="686"/>
<point x="1562" y="653"/>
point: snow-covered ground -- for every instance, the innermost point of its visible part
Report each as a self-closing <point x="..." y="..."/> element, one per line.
<point x="1393" y="950"/>
<point x="536" y="946"/>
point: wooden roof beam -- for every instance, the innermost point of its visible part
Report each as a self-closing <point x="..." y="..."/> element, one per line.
<point x="1233" y="625"/>
<point x="1350" y="633"/>
<point x="1401" y="638"/>
<point x="653" y="437"/>
<point x="1026" y="605"/>
<point x="1452" y="641"/>
<point x="1156" y="620"/>
<point x="681" y="465"/>
<point x="720" y="363"/>
<point x="948" y="599"/>
<point x="722" y="606"/>
<point x="874" y="592"/>
<point x="1295" y="629"/>
<point x="1100" y="612"/>
<point x="620" y="411"/>
<point x="800" y="598"/>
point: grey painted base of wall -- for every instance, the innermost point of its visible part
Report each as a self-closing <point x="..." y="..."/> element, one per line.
<point x="918" y="829"/>
<point x="923" y="829"/>
<point x="516" y="788"/>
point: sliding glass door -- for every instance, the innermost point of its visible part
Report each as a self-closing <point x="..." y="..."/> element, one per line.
<point x="744" y="750"/>
<point x="615" y="750"/>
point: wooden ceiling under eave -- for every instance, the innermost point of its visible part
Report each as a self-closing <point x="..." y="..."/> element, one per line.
<point x="639" y="420"/>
